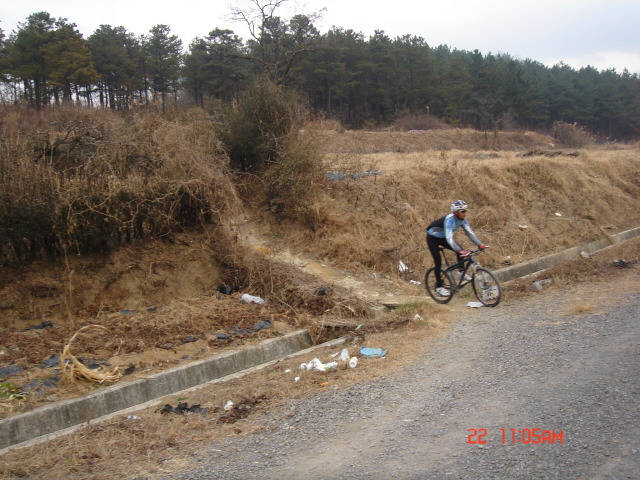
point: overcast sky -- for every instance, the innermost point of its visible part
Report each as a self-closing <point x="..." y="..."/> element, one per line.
<point x="601" y="33"/>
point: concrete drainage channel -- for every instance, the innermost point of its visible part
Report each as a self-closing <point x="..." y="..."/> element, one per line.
<point x="61" y="418"/>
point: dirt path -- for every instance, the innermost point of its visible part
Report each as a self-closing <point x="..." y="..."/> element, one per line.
<point x="566" y="361"/>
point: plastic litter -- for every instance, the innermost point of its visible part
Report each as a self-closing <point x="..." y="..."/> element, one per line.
<point x="251" y="299"/>
<point x="353" y="176"/>
<point x="296" y="379"/>
<point x="262" y="324"/>
<point x="225" y="289"/>
<point x="541" y="283"/>
<point x="414" y="282"/>
<point x="133" y="417"/>
<point x="40" y="326"/>
<point x="622" y="263"/>
<point x="182" y="408"/>
<point x="402" y="268"/>
<point x="475" y="304"/>
<point x="353" y="362"/>
<point x="372" y="352"/>
<point x="228" y="406"/>
<point x="318" y="366"/>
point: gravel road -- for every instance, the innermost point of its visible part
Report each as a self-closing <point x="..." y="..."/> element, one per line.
<point x="530" y="364"/>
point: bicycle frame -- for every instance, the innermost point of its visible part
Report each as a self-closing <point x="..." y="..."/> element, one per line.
<point x="463" y="265"/>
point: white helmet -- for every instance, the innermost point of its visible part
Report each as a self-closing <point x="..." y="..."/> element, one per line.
<point x="458" y="205"/>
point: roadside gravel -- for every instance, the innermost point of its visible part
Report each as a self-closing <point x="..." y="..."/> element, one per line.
<point x="537" y="363"/>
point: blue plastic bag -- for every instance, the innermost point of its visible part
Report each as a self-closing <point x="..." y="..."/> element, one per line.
<point x="372" y="352"/>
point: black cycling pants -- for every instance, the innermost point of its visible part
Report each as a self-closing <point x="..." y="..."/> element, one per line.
<point x="434" y="243"/>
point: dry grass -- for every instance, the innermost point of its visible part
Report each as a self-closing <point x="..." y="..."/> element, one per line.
<point x="523" y="207"/>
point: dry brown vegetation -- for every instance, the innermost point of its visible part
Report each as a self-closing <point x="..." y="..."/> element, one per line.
<point x="527" y="196"/>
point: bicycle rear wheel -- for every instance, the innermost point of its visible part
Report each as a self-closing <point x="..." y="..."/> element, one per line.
<point x="448" y="284"/>
<point x="486" y="287"/>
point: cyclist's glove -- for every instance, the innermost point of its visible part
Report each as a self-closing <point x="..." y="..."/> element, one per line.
<point x="463" y="253"/>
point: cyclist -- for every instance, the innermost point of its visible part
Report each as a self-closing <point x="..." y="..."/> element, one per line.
<point x="440" y="233"/>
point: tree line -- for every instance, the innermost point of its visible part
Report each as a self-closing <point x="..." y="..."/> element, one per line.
<point x="362" y="82"/>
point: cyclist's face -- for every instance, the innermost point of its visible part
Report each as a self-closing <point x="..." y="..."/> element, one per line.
<point x="461" y="214"/>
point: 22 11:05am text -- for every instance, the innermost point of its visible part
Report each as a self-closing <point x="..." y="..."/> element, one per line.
<point x="477" y="436"/>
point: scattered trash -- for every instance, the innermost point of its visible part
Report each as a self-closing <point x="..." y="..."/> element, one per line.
<point x="475" y="304"/>
<point x="222" y="336"/>
<point x="414" y="282"/>
<point x="507" y="260"/>
<point x="182" y="408"/>
<point x="251" y="299"/>
<point x="402" y="268"/>
<point x="39" y="386"/>
<point x="541" y="283"/>
<point x="128" y="312"/>
<point x="344" y="355"/>
<point x="353" y="176"/>
<point x="240" y="410"/>
<point x="133" y="417"/>
<point x="262" y="324"/>
<point x="359" y="327"/>
<point x="10" y="370"/>
<point x="151" y="309"/>
<point x="225" y="289"/>
<point x="296" y="379"/>
<point x="322" y="291"/>
<point x="40" y="326"/>
<point x="288" y="370"/>
<point x="585" y="255"/>
<point x="318" y="366"/>
<point x="353" y="362"/>
<point x="372" y="352"/>
<point x="522" y="227"/>
<point x="418" y="318"/>
<point x="557" y="214"/>
<point x="622" y="263"/>
<point x="52" y="361"/>
<point x="228" y="406"/>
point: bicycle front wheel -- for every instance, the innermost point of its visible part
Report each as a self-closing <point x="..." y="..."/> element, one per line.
<point x="444" y="293"/>
<point x="486" y="287"/>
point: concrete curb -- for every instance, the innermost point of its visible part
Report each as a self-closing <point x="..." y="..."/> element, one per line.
<point x="63" y="415"/>
<point x="539" y="264"/>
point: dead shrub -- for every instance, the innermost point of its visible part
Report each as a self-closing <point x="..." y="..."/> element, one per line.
<point x="570" y="135"/>
<point x="292" y="181"/>
<point x="81" y="180"/>
<point x="258" y="125"/>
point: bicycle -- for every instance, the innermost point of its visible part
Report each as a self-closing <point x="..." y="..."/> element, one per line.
<point x="485" y="284"/>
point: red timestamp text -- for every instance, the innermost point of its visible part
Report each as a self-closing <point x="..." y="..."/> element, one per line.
<point x="535" y="436"/>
